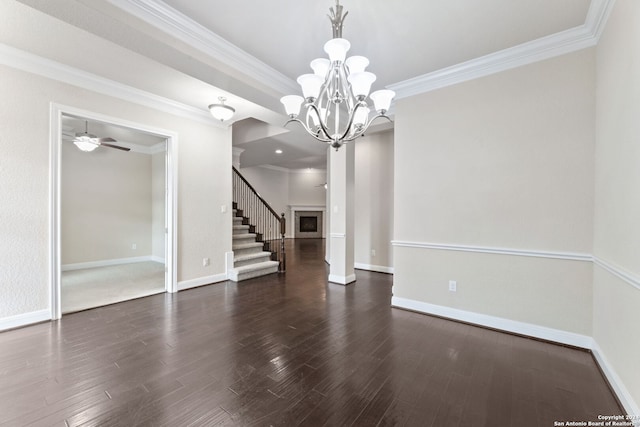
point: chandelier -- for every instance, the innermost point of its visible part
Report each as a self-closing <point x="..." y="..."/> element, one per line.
<point x="335" y="95"/>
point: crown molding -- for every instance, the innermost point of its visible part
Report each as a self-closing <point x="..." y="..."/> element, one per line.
<point x="161" y="16"/>
<point x="273" y="168"/>
<point x="597" y="16"/>
<point x="581" y="37"/>
<point x="150" y="150"/>
<point x="308" y="170"/>
<point x="158" y="148"/>
<point x="26" y="61"/>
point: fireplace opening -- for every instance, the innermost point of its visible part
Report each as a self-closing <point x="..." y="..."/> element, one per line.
<point x="308" y="224"/>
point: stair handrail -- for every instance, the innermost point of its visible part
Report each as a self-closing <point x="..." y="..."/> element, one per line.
<point x="267" y="205"/>
<point x="280" y="255"/>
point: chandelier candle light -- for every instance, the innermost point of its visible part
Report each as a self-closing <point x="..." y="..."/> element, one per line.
<point x="337" y="91"/>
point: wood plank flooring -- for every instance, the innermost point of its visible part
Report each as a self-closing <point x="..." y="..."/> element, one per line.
<point x="283" y="351"/>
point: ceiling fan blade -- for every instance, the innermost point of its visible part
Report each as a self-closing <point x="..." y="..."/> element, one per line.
<point x="106" y="140"/>
<point x="114" y="146"/>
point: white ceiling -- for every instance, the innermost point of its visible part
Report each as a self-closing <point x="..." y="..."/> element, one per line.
<point x="192" y="51"/>
<point x="402" y="39"/>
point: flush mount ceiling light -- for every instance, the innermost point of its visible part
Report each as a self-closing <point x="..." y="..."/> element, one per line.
<point x="335" y="94"/>
<point x="278" y="151"/>
<point x="221" y="111"/>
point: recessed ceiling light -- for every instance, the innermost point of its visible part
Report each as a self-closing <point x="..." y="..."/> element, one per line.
<point x="278" y="151"/>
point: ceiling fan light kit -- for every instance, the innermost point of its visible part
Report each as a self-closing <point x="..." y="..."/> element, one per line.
<point x="84" y="143"/>
<point x="335" y="95"/>
<point x="221" y="111"/>
<point x="87" y="142"/>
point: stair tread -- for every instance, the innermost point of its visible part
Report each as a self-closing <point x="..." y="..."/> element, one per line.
<point x="241" y="227"/>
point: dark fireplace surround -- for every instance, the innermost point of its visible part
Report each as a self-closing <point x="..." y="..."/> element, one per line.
<point x="308" y="224"/>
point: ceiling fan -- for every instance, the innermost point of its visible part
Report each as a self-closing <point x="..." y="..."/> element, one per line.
<point x="88" y="142"/>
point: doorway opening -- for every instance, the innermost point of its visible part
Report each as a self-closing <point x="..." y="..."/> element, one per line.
<point x="112" y="212"/>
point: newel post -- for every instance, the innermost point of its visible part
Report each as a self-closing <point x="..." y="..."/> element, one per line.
<point x="283" y="231"/>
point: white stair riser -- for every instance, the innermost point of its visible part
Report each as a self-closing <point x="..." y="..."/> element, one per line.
<point x="263" y="258"/>
<point x="240" y="239"/>
<point x="252" y="274"/>
<point x="247" y="251"/>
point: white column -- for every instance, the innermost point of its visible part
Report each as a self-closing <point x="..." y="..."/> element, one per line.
<point x="327" y="214"/>
<point x="341" y="224"/>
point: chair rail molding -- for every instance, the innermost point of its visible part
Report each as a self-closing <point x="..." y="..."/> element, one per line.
<point x="493" y="250"/>
<point x="631" y="278"/>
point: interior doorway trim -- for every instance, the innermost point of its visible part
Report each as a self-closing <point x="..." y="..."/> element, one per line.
<point x="55" y="156"/>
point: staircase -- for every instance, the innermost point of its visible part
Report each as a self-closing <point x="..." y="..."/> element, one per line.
<point x="249" y="257"/>
<point x="258" y="234"/>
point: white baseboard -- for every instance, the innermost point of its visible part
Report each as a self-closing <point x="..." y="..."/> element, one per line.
<point x="201" y="281"/>
<point x="376" y="268"/>
<point x="516" y="327"/>
<point x="24" y="319"/>
<point x="342" y="280"/>
<point x="108" y="262"/>
<point x="158" y="259"/>
<point x="629" y="405"/>
<point x="536" y="331"/>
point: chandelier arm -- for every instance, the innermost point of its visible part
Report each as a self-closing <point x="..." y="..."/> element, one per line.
<point x="377" y="116"/>
<point x="350" y="123"/>
<point x="346" y="87"/>
<point x="323" y="97"/>
<point x="366" y="127"/>
<point x="322" y="125"/>
<point x="309" y="131"/>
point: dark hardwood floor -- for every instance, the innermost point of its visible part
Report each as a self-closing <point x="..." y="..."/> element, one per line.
<point x="288" y="350"/>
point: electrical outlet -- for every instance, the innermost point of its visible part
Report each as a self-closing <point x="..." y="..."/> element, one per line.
<point x="134" y="246"/>
<point x="223" y="209"/>
<point x="373" y="252"/>
<point x="205" y="262"/>
<point x="453" y="285"/>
